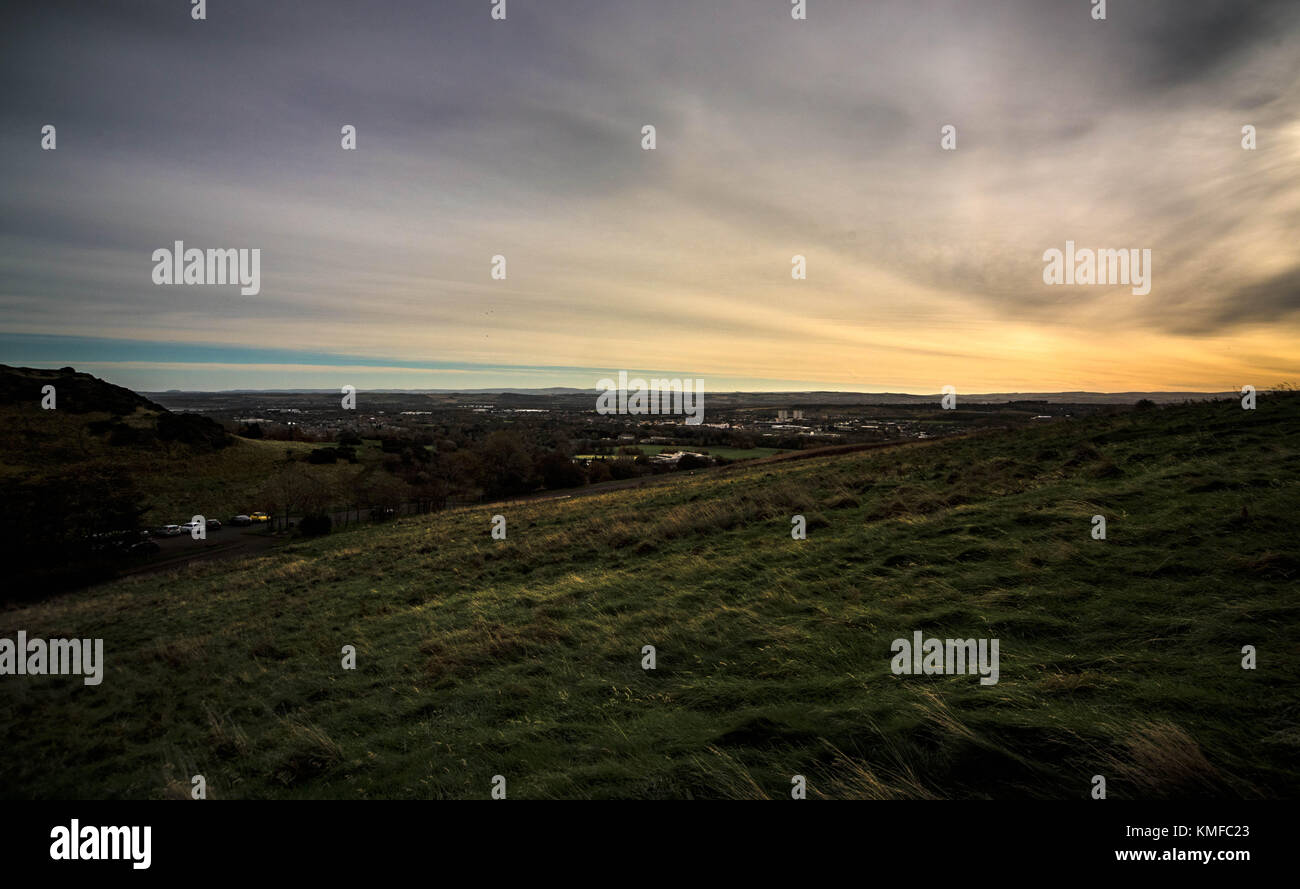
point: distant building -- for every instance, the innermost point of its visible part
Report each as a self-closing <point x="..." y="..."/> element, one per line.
<point x="671" y="458"/>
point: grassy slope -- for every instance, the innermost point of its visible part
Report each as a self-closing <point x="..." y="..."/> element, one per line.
<point x="228" y="482"/>
<point x="727" y="453"/>
<point x="522" y="657"/>
<point x="176" y="481"/>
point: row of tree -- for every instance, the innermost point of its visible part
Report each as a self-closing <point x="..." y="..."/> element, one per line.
<point x="417" y="477"/>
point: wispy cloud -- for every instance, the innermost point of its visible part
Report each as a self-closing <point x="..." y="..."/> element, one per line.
<point x="775" y="137"/>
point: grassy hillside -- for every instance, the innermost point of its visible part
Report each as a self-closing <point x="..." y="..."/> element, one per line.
<point x="228" y="482"/>
<point x="522" y="657"/>
<point x="723" y="452"/>
<point x="176" y="478"/>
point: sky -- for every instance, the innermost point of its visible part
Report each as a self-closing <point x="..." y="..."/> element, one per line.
<point x="775" y="137"/>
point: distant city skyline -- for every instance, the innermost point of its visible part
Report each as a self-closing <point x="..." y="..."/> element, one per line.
<point x="775" y="138"/>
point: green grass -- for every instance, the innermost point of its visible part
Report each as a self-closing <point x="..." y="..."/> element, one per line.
<point x="739" y="453"/>
<point x="522" y="657"/>
<point x="176" y="481"/>
<point x="228" y="482"/>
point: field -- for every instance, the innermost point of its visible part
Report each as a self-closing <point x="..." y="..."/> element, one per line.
<point x="227" y="482"/>
<point x="725" y="453"/>
<point x="176" y="482"/>
<point x="475" y="657"/>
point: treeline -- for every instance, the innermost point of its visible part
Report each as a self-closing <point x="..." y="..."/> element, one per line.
<point x="506" y="463"/>
<point x="417" y="474"/>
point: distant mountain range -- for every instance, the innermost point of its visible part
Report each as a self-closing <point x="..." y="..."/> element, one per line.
<point x="81" y="391"/>
<point x="554" y="390"/>
<point x="811" y="397"/>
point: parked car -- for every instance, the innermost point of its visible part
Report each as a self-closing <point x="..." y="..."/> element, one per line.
<point x="112" y="543"/>
<point x="260" y="517"/>
<point x="166" y="531"/>
<point x="241" y="520"/>
<point x="208" y="525"/>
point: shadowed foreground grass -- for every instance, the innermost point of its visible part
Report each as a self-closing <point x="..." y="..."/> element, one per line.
<point x="522" y="657"/>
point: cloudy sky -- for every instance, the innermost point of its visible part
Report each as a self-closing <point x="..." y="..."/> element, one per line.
<point x="775" y="137"/>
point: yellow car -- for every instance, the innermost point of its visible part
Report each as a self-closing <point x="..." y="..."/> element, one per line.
<point x="260" y="517"/>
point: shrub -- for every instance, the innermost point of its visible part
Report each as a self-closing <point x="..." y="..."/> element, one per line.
<point x="323" y="456"/>
<point x="315" y="525"/>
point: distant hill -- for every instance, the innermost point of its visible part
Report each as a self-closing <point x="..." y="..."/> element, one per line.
<point x="124" y="417"/>
<point x="94" y="465"/>
<point x="524" y="656"/>
<point x="555" y="390"/>
<point x="781" y="398"/>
